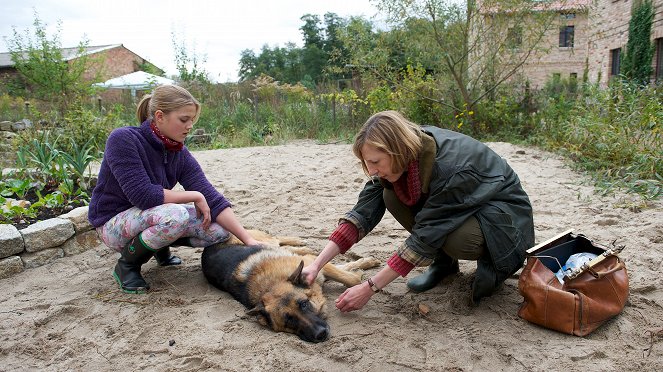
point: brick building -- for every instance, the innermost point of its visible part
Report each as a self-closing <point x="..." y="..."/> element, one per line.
<point x="106" y="61"/>
<point x="587" y="35"/>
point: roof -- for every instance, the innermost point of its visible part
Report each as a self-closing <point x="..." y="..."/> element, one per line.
<point x="67" y="53"/>
<point x="138" y="80"/>
<point x="544" y="5"/>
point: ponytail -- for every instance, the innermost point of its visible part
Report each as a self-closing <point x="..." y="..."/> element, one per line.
<point x="142" y="112"/>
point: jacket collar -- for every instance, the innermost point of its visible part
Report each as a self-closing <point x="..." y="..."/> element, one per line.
<point x="426" y="161"/>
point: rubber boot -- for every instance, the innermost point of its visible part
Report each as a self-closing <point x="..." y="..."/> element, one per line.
<point x="127" y="270"/>
<point x="485" y="280"/>
<point x="441" y="267"/>
<point x="164" y="258"/>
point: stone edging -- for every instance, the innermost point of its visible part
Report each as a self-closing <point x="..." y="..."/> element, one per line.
<point x="45" y="241"/>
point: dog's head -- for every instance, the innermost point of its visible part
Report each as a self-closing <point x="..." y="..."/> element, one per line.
<point x="294" y="307"/>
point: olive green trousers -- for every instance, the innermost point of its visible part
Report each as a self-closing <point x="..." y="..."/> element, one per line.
<point x="465" y="243"/>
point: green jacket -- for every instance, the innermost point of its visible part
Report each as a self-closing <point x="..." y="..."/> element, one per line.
<point x="460" y="177"/>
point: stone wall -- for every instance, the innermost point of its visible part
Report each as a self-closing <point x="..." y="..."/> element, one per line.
<point x="8" y="131"/>
<point x="45" y="241"/>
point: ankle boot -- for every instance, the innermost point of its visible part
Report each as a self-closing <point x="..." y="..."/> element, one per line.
<point x="127" y="270"/>
<point x="485" y="280"/>
<point x="441" y="267"/>
<point x="164" y="258"/>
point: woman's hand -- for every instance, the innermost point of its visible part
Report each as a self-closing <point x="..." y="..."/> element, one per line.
<point x="354" y="298"/>
<point x="309" y="273"/>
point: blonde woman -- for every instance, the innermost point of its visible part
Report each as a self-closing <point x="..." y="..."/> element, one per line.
<point x="133" y="207"/>
<point x="456" y="197"/>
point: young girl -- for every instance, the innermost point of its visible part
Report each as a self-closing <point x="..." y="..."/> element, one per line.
<point x="457" y="198"/>
<point x="133" y="207"/>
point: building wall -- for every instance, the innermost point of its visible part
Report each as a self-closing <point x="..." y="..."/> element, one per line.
<point x="600" y="27"/>
<point x="564" y="61"/>
<point x="114" y="62"/>
<point x="609" y="28"/>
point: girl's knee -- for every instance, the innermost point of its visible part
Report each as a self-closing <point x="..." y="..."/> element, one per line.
<point x="175" y="216"/>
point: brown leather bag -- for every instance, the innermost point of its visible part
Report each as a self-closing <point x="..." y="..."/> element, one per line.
<point x="590" y="295"/>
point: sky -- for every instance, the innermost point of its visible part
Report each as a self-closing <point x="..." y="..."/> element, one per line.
<point x="217" y="30"/>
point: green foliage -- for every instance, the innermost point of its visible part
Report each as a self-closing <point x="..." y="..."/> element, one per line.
<point x="616" y="134"/>
<point x="12" y="108"/>
<point x="47" y="74"/>
<point x="636" y="62"/>
<point x="322" y="58"/>
<point x="189" y="64"/>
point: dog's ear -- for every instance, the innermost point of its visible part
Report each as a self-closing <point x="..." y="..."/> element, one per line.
<point x="295" y="277"/>
<point x="259" y="311"/>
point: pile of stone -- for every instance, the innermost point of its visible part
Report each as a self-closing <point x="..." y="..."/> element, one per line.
<point x="45" y="241"/>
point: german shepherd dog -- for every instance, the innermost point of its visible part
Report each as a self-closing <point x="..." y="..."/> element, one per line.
<point x="267" y="280"/>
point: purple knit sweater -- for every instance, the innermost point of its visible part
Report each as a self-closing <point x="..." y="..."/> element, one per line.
<point x="137" y="168"/>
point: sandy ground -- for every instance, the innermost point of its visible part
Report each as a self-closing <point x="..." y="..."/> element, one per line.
<point x="70" y="315"/>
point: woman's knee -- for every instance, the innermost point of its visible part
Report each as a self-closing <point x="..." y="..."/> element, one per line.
<point x="467" y="242"/>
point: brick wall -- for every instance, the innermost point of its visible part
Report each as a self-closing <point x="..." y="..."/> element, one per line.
<point x="599" y="28"/>
<point x="560" y="60"/>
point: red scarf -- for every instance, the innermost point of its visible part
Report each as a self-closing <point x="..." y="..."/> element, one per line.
<point x="169" y="143"/>
<point x="408" y="186"/>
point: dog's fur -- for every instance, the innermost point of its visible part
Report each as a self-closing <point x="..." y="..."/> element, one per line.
<point x="268" y="282"/>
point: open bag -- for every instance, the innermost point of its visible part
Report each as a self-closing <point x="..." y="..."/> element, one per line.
<point x="589" y="295"/>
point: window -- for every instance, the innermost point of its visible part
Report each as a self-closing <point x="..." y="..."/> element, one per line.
<point x="615" y="55"/>
<point x="573" y="76"/>
<point x="659" y="59"/>
<point x="566" y="37"/>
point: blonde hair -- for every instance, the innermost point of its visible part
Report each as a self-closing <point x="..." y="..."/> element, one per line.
<point x="392" y="133"/>
<point x="166" y="98"/>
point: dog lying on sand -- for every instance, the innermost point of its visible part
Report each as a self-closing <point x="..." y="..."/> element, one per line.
<point x="267" y="281"/>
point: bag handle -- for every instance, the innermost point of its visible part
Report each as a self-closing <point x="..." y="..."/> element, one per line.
<point x="601" y="274"/>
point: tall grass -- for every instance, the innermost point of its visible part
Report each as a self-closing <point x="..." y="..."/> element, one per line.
<point x="615" y="133"/>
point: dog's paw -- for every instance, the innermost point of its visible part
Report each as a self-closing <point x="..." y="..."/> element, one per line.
<point x="362" y="264"/>
<point x="302" y="251"/>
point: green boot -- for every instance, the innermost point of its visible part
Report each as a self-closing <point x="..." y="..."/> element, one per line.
<point x="441" y="267"/>
<point x="127" y="270"/>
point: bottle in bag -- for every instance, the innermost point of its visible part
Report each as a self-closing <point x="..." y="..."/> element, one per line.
<point x="574" y="261"/>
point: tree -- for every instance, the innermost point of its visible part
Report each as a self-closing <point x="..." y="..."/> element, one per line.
<point x="467" y="46"/>
<point x="190" y="65"/>
<point x="47" y="74"/>
<point x="636" y="63"/>
<point x="313" y="55"/>
<point x="336" y="53"/>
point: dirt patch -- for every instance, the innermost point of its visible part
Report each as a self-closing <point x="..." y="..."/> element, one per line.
<point x="70" y="315"/>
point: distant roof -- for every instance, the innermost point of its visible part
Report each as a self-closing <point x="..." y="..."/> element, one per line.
<point x="136" y="80"/>
<point x="547" y="5"/>
<point x="67" y="53"/>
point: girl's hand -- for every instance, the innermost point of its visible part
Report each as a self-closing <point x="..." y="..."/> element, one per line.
<point x="354" y="298"/>
<point x="252" y="241"/>
<point x="202" y="210"/>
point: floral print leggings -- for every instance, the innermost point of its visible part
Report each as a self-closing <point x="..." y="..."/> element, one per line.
<point x="160" y="226"/>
